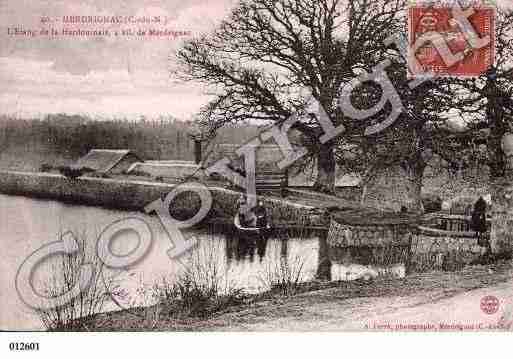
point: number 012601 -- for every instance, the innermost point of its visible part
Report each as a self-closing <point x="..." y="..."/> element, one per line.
<point x="24" y="346"/>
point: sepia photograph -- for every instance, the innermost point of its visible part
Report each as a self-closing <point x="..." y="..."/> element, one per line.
<point x="255" y="166"/>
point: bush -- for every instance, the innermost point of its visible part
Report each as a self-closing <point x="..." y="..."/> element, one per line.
<point x="64" y="275"/>
<point x="71" y="172"/>
<point x="200" y="290"/>
<point x="284" y="275"/>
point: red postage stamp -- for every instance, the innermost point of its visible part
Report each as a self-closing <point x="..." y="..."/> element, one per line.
<point x="448" y="40"/>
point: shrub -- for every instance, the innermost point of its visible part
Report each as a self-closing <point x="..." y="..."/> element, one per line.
<point x="64" y="275"/>
<point x="75" y="172"/>
<point x="201" y="289"/>
<point x="284" y="275"/>
<point x="70" y="172"/>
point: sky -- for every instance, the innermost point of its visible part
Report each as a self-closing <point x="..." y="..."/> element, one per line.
<point x="104" y="77"/>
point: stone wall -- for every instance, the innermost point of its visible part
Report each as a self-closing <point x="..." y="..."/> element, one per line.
<point x="374" y="245"/>
<point x="343" y="235"/>
<point x="418" y="248"/>
<point x="442" y="250"/>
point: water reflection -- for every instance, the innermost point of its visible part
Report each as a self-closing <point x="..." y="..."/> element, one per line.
<point x="28" y="224"/>
<point x="247" y="262"/>
<point x="240" y="248"/>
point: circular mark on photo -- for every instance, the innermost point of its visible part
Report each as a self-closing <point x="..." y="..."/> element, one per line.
<point x="490" y="304"/>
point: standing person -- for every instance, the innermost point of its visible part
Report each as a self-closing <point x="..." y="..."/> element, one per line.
<point x="246" y="218"/>
<point x="261" y="215"/>
<point x="241" y="202"/>
<point x="478" y="223"/>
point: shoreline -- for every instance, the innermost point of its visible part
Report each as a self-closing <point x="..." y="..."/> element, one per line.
<point x="266" y="310"/>
<point x="135" y="195"/>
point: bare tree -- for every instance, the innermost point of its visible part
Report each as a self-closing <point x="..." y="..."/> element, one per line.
<point x="258" y="60"/>
<point x="486" y="101"/>
<point x="420" y="131"/>
<point x="423" y="130"/>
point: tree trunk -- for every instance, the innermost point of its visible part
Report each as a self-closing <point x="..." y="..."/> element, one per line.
<point x="495" y="118"/>
<point x="365" y="181"/>
<point x="325" y="181"/>
<point x="324" y="261"/>
<point x="363" y="196"/>
<point x="417" y="192"/>
<point x="496" y="156"/>
<point x="416" y="174"/>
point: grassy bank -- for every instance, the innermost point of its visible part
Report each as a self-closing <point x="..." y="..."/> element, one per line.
<point x="307" y="307"/>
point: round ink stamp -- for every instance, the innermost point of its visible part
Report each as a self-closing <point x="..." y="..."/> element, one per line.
<point x="490" y="304"/>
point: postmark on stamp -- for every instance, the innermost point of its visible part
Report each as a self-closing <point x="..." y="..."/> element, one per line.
<point x="446" y="39"/>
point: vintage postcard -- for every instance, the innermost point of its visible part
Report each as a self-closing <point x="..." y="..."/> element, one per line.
<point x="256" y="166"/>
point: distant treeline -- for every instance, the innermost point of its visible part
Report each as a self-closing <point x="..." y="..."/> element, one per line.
<point x="26" y="143"/>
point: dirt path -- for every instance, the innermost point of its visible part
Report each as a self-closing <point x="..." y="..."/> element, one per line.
<point x="434" y="301"/>
<point x="419" y="301"/>
<point x="417" y="312"/>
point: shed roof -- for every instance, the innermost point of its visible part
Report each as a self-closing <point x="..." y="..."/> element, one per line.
<point x="102" y="160"/>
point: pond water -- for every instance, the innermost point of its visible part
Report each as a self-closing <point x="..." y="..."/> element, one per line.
<point x="27" y="224"/>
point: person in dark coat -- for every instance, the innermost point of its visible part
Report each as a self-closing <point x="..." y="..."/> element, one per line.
<point x="261" y="215"/>
<point x="246" y="218"/>
<point x="241" y="202"/>
<point x="478" y="222"/>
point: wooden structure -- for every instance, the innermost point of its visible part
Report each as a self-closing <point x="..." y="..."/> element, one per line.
<point x="272" y="181"/>
<point x="108" y="161"/>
